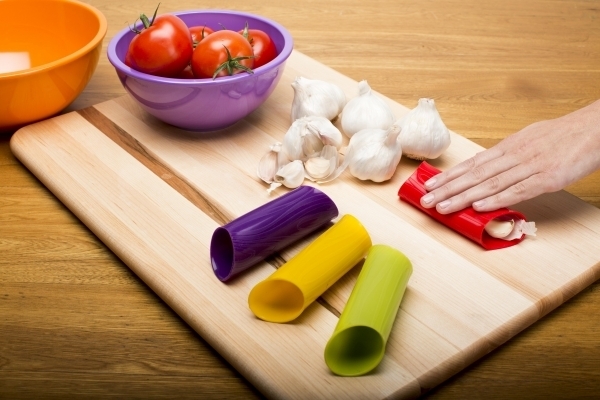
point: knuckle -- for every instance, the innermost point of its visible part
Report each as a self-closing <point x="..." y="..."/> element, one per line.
<point x="445" y="190"/>
<point x="460" y="200"/>
<point x="470" y="163"/>
<point x="478" y="173"/>
<point x="493" y="183"/>
<point x="519" y="189"/>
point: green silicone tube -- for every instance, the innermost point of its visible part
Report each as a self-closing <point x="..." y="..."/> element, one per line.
<point x="358" y="342"/>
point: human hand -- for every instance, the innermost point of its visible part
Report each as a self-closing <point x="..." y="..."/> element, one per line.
<point x="543" y="157"/>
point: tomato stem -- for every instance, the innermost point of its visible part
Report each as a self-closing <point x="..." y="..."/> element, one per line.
<point x="232" y="64"/>
<point x="245" y="31"/>
<point x="195" y="42"/>
<point x="246" y="34"/>
<point x="154" y="16"/>
<point x="147" y="23"/>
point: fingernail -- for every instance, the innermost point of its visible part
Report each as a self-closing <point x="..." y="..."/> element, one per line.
<point x="444" y="204"/>
<point x="430" y="182"/>
<point x="428" y="198"/>
<point x="479" y="204"/>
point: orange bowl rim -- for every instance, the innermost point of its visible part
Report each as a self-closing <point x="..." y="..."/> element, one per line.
<point x="73" y="56"/>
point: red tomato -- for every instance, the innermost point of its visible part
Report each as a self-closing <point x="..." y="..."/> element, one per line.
<point x="200" y="32"/>
<point x="163" y="47"/>
<point x="262" y="45"/>
<point x="222" y="53"/>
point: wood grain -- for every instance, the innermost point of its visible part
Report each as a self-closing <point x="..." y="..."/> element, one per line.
<point x="493" y="68"/>
<point x="121" y="172"/>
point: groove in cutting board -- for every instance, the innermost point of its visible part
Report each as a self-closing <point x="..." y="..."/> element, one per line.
<point x="137" y="150"/>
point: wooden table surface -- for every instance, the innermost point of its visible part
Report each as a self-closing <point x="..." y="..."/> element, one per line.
<point x="76" y="322"/>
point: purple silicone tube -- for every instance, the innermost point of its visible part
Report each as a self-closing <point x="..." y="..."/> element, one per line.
<point x="267" y="229"/>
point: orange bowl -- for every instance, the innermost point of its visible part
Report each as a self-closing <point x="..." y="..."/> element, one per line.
<point x="49" y="50"/>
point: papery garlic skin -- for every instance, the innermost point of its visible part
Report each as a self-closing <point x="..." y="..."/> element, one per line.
<point x="424" y="134"/>
<point x="313" y="97"/>
<point x="511" y="229"/>
<point x="269" y="163"/>
<point x="365" y="111"/>
<point x="290" y="175"/>
<point x="306" y="137"/>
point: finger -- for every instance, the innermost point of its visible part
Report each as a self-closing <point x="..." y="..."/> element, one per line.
<point x="495" y="184"/>
<point x="521" y="191"/>
<point x="487" y="172"/>
<point x="463" y="167"/>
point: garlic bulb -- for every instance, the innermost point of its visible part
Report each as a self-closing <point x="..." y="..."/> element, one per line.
<point x="424" y="135"/>
<point x="307" y="136"/>
<point x="315" y="97"/>
<point x="269" y="163"/>
<point x="372" y="154"/>
<point x="511" y="229"/>
<point x="366" y="111"/>
<point x="290" y="175"/>
<point x="322" y="166"/>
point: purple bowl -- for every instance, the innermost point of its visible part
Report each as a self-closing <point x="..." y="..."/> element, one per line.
<point x="204" y="104"/>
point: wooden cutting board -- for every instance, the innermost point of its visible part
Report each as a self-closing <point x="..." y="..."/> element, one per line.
<point x="155" y="194"/>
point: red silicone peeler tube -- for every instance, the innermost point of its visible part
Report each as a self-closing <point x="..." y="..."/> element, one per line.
<point x="467" y="222"/>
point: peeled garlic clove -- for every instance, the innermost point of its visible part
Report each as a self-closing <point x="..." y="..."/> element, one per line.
<point x="290" y="175"/>
<point x="511" y="229"/>
<point x="269" y="164"/>
<point x="424" y="135"/>
<point x="366" y="111"/>
<point x="499" y="229"/>
<point x="316" y="97"/>
<point x="321" y="167"/>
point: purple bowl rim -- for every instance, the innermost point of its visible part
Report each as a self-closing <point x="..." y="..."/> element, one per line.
<point x="280" y="59"/>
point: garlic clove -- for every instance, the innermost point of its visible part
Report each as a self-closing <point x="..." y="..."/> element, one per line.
<point x="306" y="137"/>
<point x="290" y="175"/>
<point x="499" y="229"/>
<point x="325" y="130"/>
<point x="365" y="111"/>
<point x="317" y="168"/>
<point x="293" y="139"/>
<point x="316" y="97"/>
<point x="311" y="144"/>
<point x="424" y="135"/>
<point x="321" y="167"/>
<point x="510" y="230"/>
<point x="269" y="163"/>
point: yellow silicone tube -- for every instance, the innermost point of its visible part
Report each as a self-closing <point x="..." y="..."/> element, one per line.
<point x="294" y="286"/>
